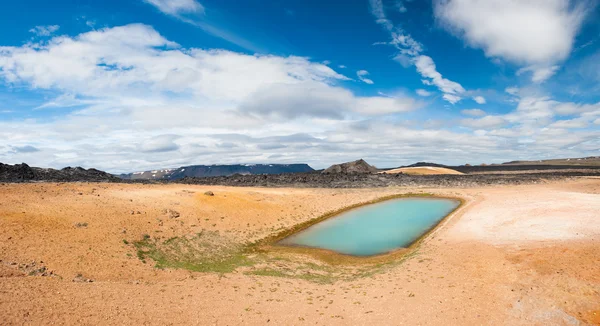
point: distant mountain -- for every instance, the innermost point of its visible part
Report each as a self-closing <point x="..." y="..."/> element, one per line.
<point x="586" y="161"/>
<point x="360" y="166"/>
<point x="420" y="164"/>
<point x="216" y="171"/>
<point x="24" y="173"/>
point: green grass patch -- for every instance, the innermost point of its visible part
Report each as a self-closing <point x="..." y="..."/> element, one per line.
<point x="203" y="252"/>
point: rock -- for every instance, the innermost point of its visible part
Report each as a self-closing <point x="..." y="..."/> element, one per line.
<point x="171" y="213"/>
<point x="25" y="173"/>
<point x="356" y="167"/>
<point x="80" y="279"/>
<point x="209" y="193"/>
<point x="16" y="173"/>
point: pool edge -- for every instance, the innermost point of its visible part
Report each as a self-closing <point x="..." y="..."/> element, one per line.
<point x="269" y="243"/>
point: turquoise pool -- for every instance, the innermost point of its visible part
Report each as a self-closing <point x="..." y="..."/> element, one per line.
<point x="377" y="228"/>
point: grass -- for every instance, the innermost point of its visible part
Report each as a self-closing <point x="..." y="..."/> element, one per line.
<point x="203" y="252"/>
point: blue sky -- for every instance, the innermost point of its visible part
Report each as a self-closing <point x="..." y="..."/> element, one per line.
<point x="142" y="84"/>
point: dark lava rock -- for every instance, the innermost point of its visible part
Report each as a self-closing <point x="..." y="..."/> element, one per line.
<point x="24" y="173"/>
<point x="356" y="167"/>
<point x="364" y="180"/>
<point x="17" y="172"/>
<point x="419" y="164"/>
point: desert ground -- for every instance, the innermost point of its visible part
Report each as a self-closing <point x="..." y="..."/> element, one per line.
<point x="101" y="253"/>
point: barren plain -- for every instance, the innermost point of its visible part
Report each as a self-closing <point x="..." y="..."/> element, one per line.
<point x="110" y="253"/>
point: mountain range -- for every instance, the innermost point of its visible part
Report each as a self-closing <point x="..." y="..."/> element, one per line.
<point x="215" y="171"/>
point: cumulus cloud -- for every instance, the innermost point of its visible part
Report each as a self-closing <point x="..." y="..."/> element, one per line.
<point x="479" y="99"/>
<point x="570" y="124"/>
<point x="126" y="98"/>
<point x="473" y="112"/>
<point x="534" y="33"/>
<point x="489" y="121"/>
<point x="162" y="143"/>
<point x="362" y="77"/>
<point x="44" y="30"/>
<point x="512" y="90"/>
<point x="177" y="7"/>
<point x="424" y="93"/>
<point x="122" y="94"/>
<point x="539" y="73"/>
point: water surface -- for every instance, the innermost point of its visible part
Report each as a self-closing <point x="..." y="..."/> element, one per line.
<point x="377" y="228"/>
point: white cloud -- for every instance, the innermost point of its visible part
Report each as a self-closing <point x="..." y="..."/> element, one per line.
<point x="490" y="121"/>
<point x="161" y="143"/>
<point x="342" y="67"/>
<point x="424" y="93"/>
<point x="177" y="7"/>
<point x="452" y="99"/>
<point x="473" y="112"/>
<point x="479" y="99"/>
<point x="539" y="73"/>
<point x="134" y="96"/>
<point x="379" y="12"/>
<point x="410" y="53"/>
<point x="400" y="6"/>
<point x="426" y="67"/>
<point x="192" y="12"/>
<point x="534" y="33"/>
<point x="361" y="76"/>
<point x="570" y="124"/>
<point x="129" y="99"/>
<point x="44" y="30"/>
<point x="512" y="90"/>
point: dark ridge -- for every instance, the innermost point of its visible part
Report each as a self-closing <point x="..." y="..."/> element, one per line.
<point x="367" y="180"/>
<point x="512" y="168"/>
<point x="24" y="173"/>
<point x="418" y="164"/>
<point x="216" y="170"/>
<point x="316" y="179"/>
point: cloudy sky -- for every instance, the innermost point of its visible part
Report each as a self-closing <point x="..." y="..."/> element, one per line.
<point x="127" y="85"/>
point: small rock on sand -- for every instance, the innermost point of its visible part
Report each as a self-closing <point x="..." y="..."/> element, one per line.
<point x="209" y="193"/>
<point x="171" y="213"/>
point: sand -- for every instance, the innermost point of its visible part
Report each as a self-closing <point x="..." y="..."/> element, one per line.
<point x="512" y="255"/>
<point x="423" y="170"/>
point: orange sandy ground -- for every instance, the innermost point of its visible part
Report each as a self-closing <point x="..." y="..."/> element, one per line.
<point x="512" y="255"/>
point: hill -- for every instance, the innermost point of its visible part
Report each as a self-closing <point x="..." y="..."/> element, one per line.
<point x="586" y="161"/>
<point x="199" y="171"/>
<point x="23" y="173"/>
<point x="355" y="167"/>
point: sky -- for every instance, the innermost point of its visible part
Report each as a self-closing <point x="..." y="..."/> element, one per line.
<point x="129" y="85"/>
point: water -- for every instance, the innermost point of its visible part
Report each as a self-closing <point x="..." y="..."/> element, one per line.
<point x="377" y="228"/>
